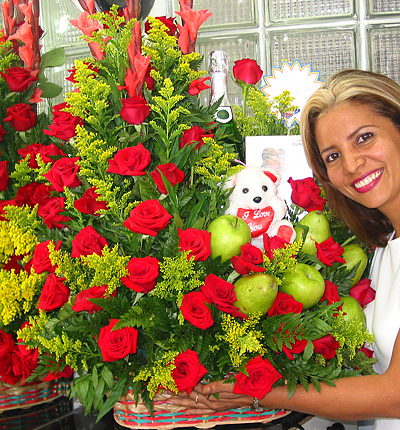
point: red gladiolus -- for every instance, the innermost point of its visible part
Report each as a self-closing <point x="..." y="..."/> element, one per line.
<point x="198" y="85"/>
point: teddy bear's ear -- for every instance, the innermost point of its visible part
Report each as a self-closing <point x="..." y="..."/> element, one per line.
<point x="231" y="181"/>
<point x="273" y="175"/>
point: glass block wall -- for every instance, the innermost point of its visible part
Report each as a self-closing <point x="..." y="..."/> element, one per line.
<point x="328" y="34"/>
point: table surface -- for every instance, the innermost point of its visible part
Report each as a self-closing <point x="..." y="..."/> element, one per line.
<point x="60" y="415"/>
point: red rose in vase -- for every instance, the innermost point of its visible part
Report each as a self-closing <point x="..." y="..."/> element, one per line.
<point x="247" y="71"/>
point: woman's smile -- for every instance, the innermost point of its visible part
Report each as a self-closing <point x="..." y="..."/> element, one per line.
<point x="367" y="182"/>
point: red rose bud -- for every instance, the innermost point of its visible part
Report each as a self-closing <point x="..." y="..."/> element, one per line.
<point x="306" y="194"/>
<point x="285" y="304"/>
<point x="3" y="175"/>
<point x="131" y="161"/>
<point x="41" y="257"/>
<point x="21" y="117"/>
<point x="261" y="377"/>
<point x="142" y="274"/>
<point x="83" y="302"/>
<point x="18" y="79"/>
<point x="326" y="345"/>
<point x="117" y="344"/>
<point x="195" y="311"/>
<point x="64" y="123"/>
<point x="247" y="71"/>
<point x="54" y="293"/>
<point x="88" y="242"/>
<point x="195" y="241"/>
<point x="52" y="213"/>
<point x="148" y="217"/>
<point x="331" y="293"/>
<point x="329" y="252"/>
<point x="134" y="110"/>
<point x="195" y="134"/>
<point x="63" y="173"/>
<point x="188" y="371"/>
<point x="88" y="203"/>
<point x="171" y="174"/>
<point x="363" y="292"/>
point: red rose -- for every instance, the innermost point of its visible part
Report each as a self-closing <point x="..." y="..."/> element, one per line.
<point x="198" y="85"/>
<point x="261" y="377"/>
<point x="168" y="22"/>
<point x="195" y="241"/>
<point x="222" y="294"/>
<point x="248" y="259"/>
<point x="3" y="175"/>
<point x="41" y="258"/>
<point x="63" y="174"/>
<point x="285" y="304"/>
<point x="188" y="371"/>
<point x="18" y="79"/>
<point x="306" y="194"/>
<point x="83" y="303"/>
<point x="67" y="372"/>
<point x="15" y="367"/>
<point x="45" y="152"/>
<point x="195" y="311"/>
<point x="331" y="293"/>
<point x="171" y="173"/>
<point x="2" y="133"/>
<point x="148" y="217"/>
<point x="54" y="293"/>
<point x="25" y="193"/>
<point x="117" y="344"/>
<point x="134" y="110"/>
<point x="271" y="243"/>
<point x="295" y="348"/>
<point x="51" y="213"/>
<point x="326" y="345"/>
<point x="363" y="292"/>
<point x="21" y="117"/>
<point x="329" y="252"/>
<point x="368" y="352"/>
<point x="247" y="71"/>
<point x="64" y="124"/>
<point x="42" y="194"/>
<point x="7" y="343"/>
<point x="195" y="134"/>
<point x="13" y="264"/>
<point x="130" y="161"/>
<point x="88" y="203"/>
<point x="143" y="273"/>
<point x="87" y="242"/>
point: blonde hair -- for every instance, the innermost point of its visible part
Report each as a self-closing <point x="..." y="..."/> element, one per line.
<point x="381" y="94"/>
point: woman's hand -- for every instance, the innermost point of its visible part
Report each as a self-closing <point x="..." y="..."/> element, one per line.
<point x="209" y="398"/>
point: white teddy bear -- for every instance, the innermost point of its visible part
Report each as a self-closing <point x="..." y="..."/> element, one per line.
<point x="255" y="200"/>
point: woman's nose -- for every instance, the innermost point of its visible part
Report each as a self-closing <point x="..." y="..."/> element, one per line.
<point x="353" y="162"/>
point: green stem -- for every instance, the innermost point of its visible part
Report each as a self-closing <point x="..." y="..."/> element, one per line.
<point x="245" y="90"/>
<point x="349" y="240"/>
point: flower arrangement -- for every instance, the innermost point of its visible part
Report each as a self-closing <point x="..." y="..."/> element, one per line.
<point x="117" y="279"/>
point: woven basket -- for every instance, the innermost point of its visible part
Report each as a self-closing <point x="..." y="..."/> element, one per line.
<point x="166" y="417"/>
<point x="31" y="394"/>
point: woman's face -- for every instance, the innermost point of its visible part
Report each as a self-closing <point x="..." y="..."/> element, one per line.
<point x="361" y="151"/>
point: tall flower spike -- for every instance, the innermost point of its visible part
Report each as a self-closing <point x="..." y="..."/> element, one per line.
<point x="192" y="20"/>
<point x="132" y="10"/>
<point x="87" y="5"/>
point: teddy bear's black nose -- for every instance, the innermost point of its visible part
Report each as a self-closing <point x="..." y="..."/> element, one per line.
<point x="257" y="199"/>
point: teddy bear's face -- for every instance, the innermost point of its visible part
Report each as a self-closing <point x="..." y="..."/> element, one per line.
<point x="253" y="190"/>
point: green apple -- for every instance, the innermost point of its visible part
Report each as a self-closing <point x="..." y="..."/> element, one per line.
<point x="304" y="283"/>
<point x="319" y="231"/>
<point x="255" y="293"/>
<point x="353" y="253"/>
<point x="228" y="234"/>
<point x="353" y="310"/>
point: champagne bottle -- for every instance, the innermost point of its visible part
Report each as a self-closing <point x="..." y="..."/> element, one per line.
<point x="218" y="70"/>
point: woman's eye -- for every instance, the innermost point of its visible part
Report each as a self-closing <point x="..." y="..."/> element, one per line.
<point x="364" y="137"/>
<point x="332" y="157"/>
<point x="245" y="190"/>
<point x="264" y="188"/>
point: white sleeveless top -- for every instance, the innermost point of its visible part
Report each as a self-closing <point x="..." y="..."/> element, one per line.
<point x="383" y="314"/>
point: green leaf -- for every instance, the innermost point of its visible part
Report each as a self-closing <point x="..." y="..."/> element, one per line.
<point x="53" y="58"/>
<point x="308" y="351"/>
<point x="107" y="375"/>
<point x="50" y="90"/>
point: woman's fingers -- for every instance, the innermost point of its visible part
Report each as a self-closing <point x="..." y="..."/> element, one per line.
<point x="217" y="387"/>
